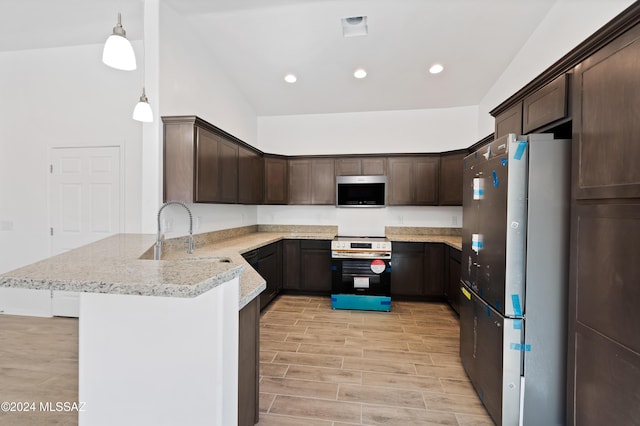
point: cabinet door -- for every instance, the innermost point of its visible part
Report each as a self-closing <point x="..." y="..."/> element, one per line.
<point x="270" y="268"/>
<point x="291" y="265"/>
<point x="426" y="178"/>
<point x="374" y="166"/>
<point x="361" y="166"/>
<point x="400" y="182"/>
<point x="433" y="270"/>
<point x="299" y="181"/>
<point x="605" y="126"/>
<point x="275" y="172"/>
<point x="315" y="266"/>
<point x="349" y="166"/>
<point x="452" y="278"/>
<point x="248" y="363"/>
<point x="250" y="176"/>
<point x="407" y="269"/>
<point x="509" y="121"/>
<point x="323" y="181"/>
<point x="450" y="192"/>
<point x="207" y="166"/>
<point x="545" y="105"/>
<point x="228" y="174"/>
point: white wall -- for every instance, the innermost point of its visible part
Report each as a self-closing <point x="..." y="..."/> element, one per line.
<point x="567" y="24"/>
<point x="59" y="97"/>
<point x="356" y="221"/>
<point x="192" y="82"/>
<point x="432" y="130"/>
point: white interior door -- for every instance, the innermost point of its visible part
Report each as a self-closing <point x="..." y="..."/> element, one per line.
<point x="85" y="204"/>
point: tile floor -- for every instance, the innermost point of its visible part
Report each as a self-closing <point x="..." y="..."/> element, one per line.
<point x="336" y="367"/>
<point x="318" y="366"/>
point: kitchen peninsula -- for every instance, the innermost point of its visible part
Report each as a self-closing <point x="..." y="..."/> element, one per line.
<point x="158" y="340"/>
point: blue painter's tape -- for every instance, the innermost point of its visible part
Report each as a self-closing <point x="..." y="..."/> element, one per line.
<point x="517" y="324"/>
<point x="517" y="308"/>
<point x="334" y="268"/>
<point x="504" y="162"/>
<point x="488" y="311"/>
<point x="478" y="193"/>
<point x="360" y="302"/>
<point x="520" y="150"/>
<point x="388" y="269"/>
<point x="495" y="178"/>
<point x="498" y="305"/>
<point x="520" y="347"/>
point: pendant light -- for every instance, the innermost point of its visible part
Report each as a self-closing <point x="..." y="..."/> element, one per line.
<point x="118" y="52"/>
<point x="142" y="111"/>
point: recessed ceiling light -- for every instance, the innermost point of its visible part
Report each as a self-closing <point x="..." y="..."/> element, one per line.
<point x="290" y="78"/>
<point x="436" y="68"/>
<point x="360" y="73"/>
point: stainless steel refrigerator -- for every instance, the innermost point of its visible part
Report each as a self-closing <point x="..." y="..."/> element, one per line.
<point x="514" y="277"/>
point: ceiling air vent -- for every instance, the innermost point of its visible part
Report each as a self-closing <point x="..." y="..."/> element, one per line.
<point x="354" y="26"/>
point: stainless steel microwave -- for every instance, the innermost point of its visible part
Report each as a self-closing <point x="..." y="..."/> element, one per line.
<point x="361" y="191"/>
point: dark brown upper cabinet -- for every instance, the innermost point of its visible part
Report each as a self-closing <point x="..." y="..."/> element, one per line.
<point x="413" y="180"/>
<point x="509" y="121"/>
<point x="250" y="176"/>
<point x="545" y="106"/>
<point x="606" y="122"/>
<point x="361" y="166"/>
<point x="450" y="193"/>
<point x="312" y="181"/>
<point x="200" y="163"/>
<point x="275" y="180"/>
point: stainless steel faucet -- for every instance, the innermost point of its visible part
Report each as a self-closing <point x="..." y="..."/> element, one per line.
<point x="157" y="250"/>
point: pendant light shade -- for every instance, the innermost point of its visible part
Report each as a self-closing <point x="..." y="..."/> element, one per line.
<point x="118" y="52"/>
<point x="142" y="111"/>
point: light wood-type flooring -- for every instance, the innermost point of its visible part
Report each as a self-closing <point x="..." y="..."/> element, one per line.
<point x="318" y="366"/>
<point x="339" y="367"/>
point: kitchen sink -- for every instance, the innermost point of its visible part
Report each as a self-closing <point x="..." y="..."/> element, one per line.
<point x="148" y="255"/>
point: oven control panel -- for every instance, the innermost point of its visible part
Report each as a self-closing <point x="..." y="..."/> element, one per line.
<point x="361" y="248"/>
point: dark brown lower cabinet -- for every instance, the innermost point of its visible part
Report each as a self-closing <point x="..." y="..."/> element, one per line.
<point x="248" y="363"/>
<point x="452" y="278"/>
<point x="270" y="268"/>
<point x="417" y="270"/>
<point x="307" y="266"/>
<point x="604" y="319"/>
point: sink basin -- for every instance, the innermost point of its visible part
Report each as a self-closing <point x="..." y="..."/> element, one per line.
<point x="148" y="255"/>
<point x="221" y="259"/>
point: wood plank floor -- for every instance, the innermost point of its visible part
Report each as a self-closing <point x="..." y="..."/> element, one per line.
<point x="38" y="363"/>
<point x="318" y="366"/>
<point x="337" y="367"/>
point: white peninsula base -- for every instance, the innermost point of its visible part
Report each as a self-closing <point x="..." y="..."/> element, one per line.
<point x="146" y="360"/>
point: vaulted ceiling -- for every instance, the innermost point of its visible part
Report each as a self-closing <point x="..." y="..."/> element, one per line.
<point x="258" y="42"/>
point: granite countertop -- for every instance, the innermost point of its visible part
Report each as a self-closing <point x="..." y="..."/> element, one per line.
<point x="123" y="263"/>
<point x="450" y="240"/>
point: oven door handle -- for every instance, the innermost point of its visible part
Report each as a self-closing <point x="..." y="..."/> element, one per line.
<point x="362" y="255"/>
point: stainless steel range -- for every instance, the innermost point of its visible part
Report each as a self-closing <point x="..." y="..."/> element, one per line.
<point x="361" y="273"/>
